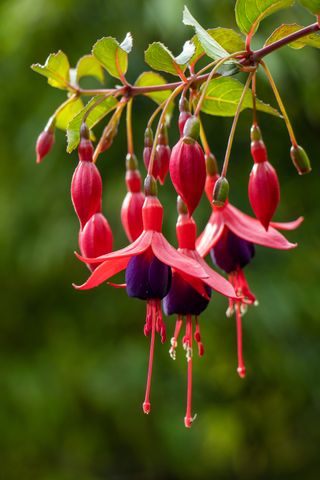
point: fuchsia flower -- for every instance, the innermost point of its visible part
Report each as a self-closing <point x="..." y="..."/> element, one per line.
<point x="131" y="210"/>
<point x="186" y="302"/>
<point x="264" y="188"/>
<point x="96" y="238"/>
<point x="230" y="236"/>
<point x="187" y="166"/>
<point x="148" y="262"/>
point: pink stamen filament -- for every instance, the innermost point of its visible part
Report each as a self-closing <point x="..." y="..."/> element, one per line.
<point x="188" y="419"/>
<point x="197" y="337"/>
<point x="241" y="367"/>
<point x="146" y="404"/>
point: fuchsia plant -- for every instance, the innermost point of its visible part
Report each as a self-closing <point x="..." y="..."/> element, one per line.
<point x="179" y="281"/>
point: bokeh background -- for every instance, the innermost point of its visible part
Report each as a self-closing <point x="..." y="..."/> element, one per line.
<point x="73" y="364"/>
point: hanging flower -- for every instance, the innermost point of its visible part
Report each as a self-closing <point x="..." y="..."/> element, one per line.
<point x="147" y="262"/>
<point x="229" y="237"/>
<point x="186" y="302"/>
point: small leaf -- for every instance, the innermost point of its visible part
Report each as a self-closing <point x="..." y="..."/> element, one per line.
<point x="127" y="43"/>
<point x="249" y="13"/>
<point x="70" y="110"/>
<point x="88" y="66"/>
<point x="223" y="95"/>
<point x="312" y="40"/>
<point x="112" y="56"/>
<point x="212" y="48"/>
<point x="94" y="117"/>
<point x="147" y="79"/>
<point x="56" y="69"/>
<point x="159" y="57"/>
<point x="230" y="40"/>
<point x="312" y="5"/>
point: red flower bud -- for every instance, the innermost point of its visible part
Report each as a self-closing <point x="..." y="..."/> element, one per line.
<point x="86" y="191"/>
<point x="188" y="171"/>
<point x="85" y="150"/>
<point x="96" y="238"/>
<point x="163" y="151"/>
<point x="148" y="143"/>
<point x="209" y="185"/>
<point x="44" y="144"/>
<point x="131" y="210"/>
<point x="264" y="188"/>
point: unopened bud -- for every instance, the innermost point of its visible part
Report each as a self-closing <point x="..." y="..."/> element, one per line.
<point x="150" y="186"/>
<point x="220" y="192"/>
<point x="45" y="141"/>
<point x="192" y="128"/>
<point x="300" y="159"/>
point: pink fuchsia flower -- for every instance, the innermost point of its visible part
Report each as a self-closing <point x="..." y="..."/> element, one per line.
<point x="148" y="262"/>
<point x="186" y="302"/>
<point x="230" y="236"/>
<point x="96" y="238"/>
<point x="131" y="210"/>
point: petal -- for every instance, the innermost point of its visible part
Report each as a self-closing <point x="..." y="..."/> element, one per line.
<point x="170" y="256"/>
<point x="106" y="270"/>
<point x="210" y="234"/>
<point x="216" y="281"/>
<point x="251" y="229"/>
<point x="135" y="248"/>
<point x="287" y="225"/>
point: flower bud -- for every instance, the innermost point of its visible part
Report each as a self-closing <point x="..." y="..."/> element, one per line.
<point x="131" y="210"/>
<point x="86" y="191"/>
<point x="150" y="186"/>
<point x="300" y="159"/>
<point x="44" y="143"/>
<point x="131" y="161"/>
<point x="163" y="152"/>
<point x="264" y="191"/>
<point x="259" y="151"/>
<point x="148" y="143"/>
<point x="96" y="238"/>
<point x="220" y="192"/>
<point x="188" y="171"/>
<point x="192" y="128"/>
<point x="183" y="117"/>
<point x="255" y="133"/>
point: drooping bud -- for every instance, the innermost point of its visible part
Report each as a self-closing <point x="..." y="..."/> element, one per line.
<point x="185" y="113"/>
<point x="264" y="188"/>
<point x="187" y="167"/>
<point x="45" y="141"/>
<point x="148" y="143"/>
<point x="96" y="238"/>
<point x="85" y="150"/>
<point x="212" y="175"/>
<point x="163" y="152"/>
<point x="86" y="187"/>
<point x="131" y="210"/>
<point x="300" y="160"/>
<point x="220" y="192"/>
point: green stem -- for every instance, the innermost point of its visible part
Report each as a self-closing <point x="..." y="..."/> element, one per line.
<point x="129" y="127"/>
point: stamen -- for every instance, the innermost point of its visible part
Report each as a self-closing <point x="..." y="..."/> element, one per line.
<point x="188" y="419"/>
<point x="197" y="337"/>
<point x="160" y="325"/>
<point x="174" y="339"/>
<point x="146" y="404"/>
<point x="241" y="367"/>
<point x="148" y="325"/>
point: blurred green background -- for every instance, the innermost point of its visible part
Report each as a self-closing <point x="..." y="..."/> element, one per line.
<point x="73" y="364"/>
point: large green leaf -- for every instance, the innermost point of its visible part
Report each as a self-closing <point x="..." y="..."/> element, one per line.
<point x="223" y="95"/>
<point x="312" y="5"/>
<point x="312" y="40"/>
<point x="71" y="109"/>
<point x="249" y="13"/>
<point x="159" y="57"/>
<point x="147" y="79"/>
<point x="88" y="66"/>
<point x="94" y="117"/>
<point x="212" y="48"/>
<point x="113" y="56"/>
<point x="56" y="69"/>
<point x="230" y="40"/>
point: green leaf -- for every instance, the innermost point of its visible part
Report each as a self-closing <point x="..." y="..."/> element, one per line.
<point x="249" y="13"/>
<point x="112" y="56"/>
<point x="230" y="40"/>
<point x="56" y="69"/>
<point x="312" y="40"/>
<point x="212" y="48"/>
<point x="223" y="95"/>
<point x="312" y="5"/>
<point x="94" y="117"/>
<point x="159" y="57"/>
<point x="88" y="66"/>
<point x="147" y="79"/>
<point x="70" y="110"/>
